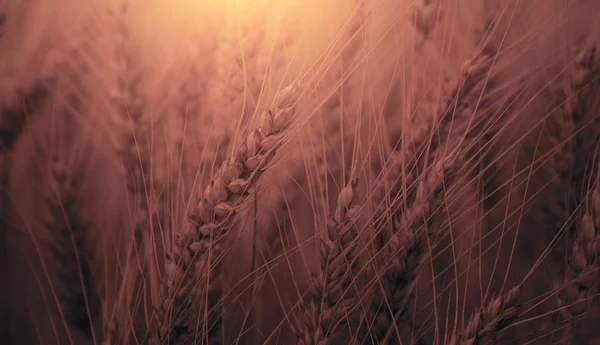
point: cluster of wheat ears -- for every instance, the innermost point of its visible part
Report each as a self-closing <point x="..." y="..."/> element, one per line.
<point x="428" y="174"/>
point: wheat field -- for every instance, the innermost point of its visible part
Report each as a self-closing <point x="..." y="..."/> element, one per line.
<point x="310" y="172"/>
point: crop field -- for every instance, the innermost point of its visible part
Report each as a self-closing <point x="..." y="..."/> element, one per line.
<point x="299" y="172"/>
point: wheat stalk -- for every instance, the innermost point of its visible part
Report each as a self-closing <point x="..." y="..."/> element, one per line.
<point x="192" y="269"/>
<point x="129" y="120"/>
<point x="330" y="301"/>
<point x="79" y="297"/>
<point x="494" y="317"/>
<point x="580" y="273"/>
<point x="131" y="126"/>
<point x="419" y="152"/>
<point x="343" y="107"/>
<point x="190" y="113"/>
<point x="405" y="240"/>
<point x="405" y="251"/>
<point x="239" y="78"/>
<point x="453" y="107"/>
<point x="563" y="129"/>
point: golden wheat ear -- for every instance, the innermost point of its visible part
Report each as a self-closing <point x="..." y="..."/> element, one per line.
<point x="79" y="298"/>
<point x="580" y="274"/>
<point x="492" y="318"/>
<point x="193" y="273"/>
<point x="417" y="154"/>
<point x="131" y="127"/>
<point x="331" y="299"/>
<point x="404" y="255"/>
<point x="423" y="169"/>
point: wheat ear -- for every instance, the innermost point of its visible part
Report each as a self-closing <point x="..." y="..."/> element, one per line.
<point x="80" y="299"/>
<point x="130" y="125"/>
<point x="563" y="127"/>
<point x="405" y="247"/>
<point x="129" y="121"/>
<point x="192" y="271"/>
<point x="495" y="316"/>
<point x="239" y="78"/>
<point x="405" y="252"/>
<point x="330" y="300"/>
<point x="580" y="272"/>
<point x="419" y="152"/>
<point x="456" y="96"/>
